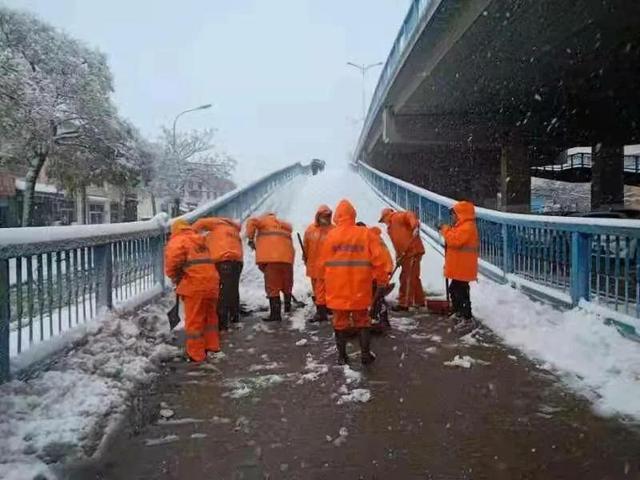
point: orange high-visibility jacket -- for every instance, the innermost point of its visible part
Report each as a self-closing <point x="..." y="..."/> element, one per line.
<point x="388" y="260"/>
<point x="351" y="260"/>
<point x="272" y="237"/>
<point x="314" y="237"/>
<point x="462" y="244"/>
<point x="223" y="238"/>
<point x="189" y="264"/>
<point x="400" y="227"/>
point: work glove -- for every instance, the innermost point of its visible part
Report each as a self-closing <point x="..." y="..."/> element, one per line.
<point x="252" y="244"/>
<point x="416" y="232"/>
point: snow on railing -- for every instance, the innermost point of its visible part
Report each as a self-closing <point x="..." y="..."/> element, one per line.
<point x="54" y="279"/>
<point x="566" y="259"/>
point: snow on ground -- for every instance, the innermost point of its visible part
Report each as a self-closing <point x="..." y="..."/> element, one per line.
<point x="589" y="356"/>
<point x="64" y="412"/>
<point x="297" y="203"/>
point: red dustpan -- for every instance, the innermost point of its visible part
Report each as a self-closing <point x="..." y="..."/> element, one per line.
<point x="438" y="305"/>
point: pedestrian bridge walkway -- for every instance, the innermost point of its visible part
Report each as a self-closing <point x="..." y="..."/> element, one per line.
<point x="534" y="368"/>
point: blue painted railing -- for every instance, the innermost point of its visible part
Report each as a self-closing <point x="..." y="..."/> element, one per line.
<point x="418" y="14"/>
<point x="55" y="279"/>
<point x="583" y="161"/>
<point x="594" y="262"/>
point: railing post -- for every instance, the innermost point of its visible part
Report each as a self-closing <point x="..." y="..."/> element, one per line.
<point x="104" y="271"/>
<point x="507" y="250"/>
<point x="580" y="267"/>
<point x="157" y="254"/>
<point x="5" y="318"/>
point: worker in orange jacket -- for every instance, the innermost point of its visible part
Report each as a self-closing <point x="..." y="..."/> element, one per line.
<point x="225" y="247"/>
<point x="314" y="237"/>
<point x="462" y="246"/>
<point x="270" y="237"/>
<point x="379" y="311"/>
<point x="190" y="267"/>
<point x="404" y="230"/>
<point x="351" y="260"/>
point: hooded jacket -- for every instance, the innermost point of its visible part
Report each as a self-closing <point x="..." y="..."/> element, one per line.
<point x="400" y="227"/>
<point x="351" y="260"/>
<point x="189" y="264"/>
<point x="314" y="238"/>
<point x="272" y="237"/>
<point x="462" y="244"/>
<point x="223" y="239"/>
<point x="388" y="260"/>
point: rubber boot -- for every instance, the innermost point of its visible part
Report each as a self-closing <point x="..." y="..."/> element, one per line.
<point x="321" y="314"/>
<point x="235" y="316"/>
<point x="366" y="356"/>
<point x="274" y="310"/>
<point x="287" y="303"/>
<point x="341" y="345"/>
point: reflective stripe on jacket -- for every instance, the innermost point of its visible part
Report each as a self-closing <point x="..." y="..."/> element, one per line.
<point x="189" y="264"/>
<point x="351" y="259"/>
<point x="272" y="237"/>
<point x="223" y="239"/>
<point x="462" y="245"/>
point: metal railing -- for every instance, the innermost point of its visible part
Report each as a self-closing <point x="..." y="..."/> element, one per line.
<point x="583" y="161"/>
<point x="53" y="279"/>
<point x="569" y="260"/>
<point x="418" y="13"/>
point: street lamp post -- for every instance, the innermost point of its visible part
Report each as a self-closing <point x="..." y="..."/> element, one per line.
<point x="176" y="201"/>
<point x="175" y="120"/>
<point x="363" y="70"/>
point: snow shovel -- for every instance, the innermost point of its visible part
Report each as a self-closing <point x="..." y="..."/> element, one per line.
<point x="438" y="306"/>
<point x="174" y="314"/>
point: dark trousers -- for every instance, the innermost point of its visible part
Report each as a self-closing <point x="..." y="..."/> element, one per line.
<point x="460" y="301"/>
<point x="229" y="299"/>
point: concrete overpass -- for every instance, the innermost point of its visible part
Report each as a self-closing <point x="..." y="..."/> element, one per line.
<point x="476" y="92"/>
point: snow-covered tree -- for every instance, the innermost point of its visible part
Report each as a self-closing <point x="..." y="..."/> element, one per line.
<point x="176" y="165"/>
<point x="54" y="96"/>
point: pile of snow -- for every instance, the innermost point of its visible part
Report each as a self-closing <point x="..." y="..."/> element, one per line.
<point x="265" y="366"/>
<point x="357" y="395"/>
<point x="242" y="387"/>
<point x="592" y="358"/>
<point x="302" y="342"/>
<point x="464" y="361"/>
<point x="313" y="370"/>
<point x="404" y="324"/>
<point x="62" y="414"/>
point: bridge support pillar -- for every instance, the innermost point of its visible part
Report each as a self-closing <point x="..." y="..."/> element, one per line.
<point x="607" y="180"/>
<point x="515" y="179"/>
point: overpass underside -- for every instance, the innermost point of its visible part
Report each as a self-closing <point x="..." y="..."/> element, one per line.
<point x="493" y="87"/>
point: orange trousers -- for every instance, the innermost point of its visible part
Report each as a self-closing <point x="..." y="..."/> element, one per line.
<point x="319" y="291"/>
<point x="201" y="327"/>
<point x="350" y="319"/>
<point x="278" y="277"/>
<point x="411" y="292"/>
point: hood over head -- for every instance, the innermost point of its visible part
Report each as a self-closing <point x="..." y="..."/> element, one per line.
<point x="323" y="210"/>
<point x="465" y="211"/>
<point x="179" y="225"/>
<point x="385" y="214"/>
<point x="345" y="213"/>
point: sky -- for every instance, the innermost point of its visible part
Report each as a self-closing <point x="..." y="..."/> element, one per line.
<point x="274" y="70"/>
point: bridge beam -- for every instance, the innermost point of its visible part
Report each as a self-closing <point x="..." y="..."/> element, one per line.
<point x="515" y="179"/>
<point x="607" y="176"/>
<point x="437" y="130"/>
